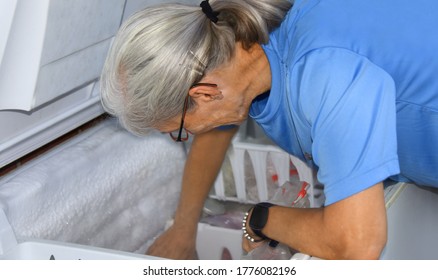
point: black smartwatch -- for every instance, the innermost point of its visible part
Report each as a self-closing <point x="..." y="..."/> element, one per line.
<point x="259" y="217"/>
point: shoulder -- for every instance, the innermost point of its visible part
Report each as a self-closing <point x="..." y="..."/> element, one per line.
<point x="324" y="76"/>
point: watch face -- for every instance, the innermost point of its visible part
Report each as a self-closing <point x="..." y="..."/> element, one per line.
<point x="259" y="217"/>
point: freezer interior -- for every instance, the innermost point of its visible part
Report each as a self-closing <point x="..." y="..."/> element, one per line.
<point x="100" y="189"/>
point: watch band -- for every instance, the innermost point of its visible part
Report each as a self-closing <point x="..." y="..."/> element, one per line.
<point x="259" y="217"/>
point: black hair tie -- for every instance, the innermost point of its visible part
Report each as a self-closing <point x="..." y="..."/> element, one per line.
<point x="208" y="11"/>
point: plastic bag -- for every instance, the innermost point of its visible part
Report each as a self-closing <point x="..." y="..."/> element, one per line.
<point x="266" y="252"/>
<point x="232" y="220"/>
<point x="292" y="195"/>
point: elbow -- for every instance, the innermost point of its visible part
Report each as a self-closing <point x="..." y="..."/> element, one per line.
<point x="367" y="251"/>
<point x="357" y="247"/>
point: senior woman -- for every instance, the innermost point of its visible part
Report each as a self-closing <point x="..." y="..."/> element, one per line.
<point x="347" y="86"/>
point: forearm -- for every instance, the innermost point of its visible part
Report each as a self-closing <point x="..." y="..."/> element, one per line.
<point x="203" y="164"/>
<point x="352" y="228"/>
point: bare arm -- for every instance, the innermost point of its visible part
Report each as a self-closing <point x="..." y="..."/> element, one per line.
<point x="353" y="228"/>
<point x="203" y="163"/>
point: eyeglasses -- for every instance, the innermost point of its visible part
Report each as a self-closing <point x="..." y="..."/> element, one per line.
<point x="182" y="134"/>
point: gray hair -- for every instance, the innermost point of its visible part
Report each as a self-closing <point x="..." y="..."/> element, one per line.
<point x="161" y="51"/>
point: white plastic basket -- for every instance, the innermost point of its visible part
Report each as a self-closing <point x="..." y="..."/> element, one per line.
<point x="259" y="154"/>
<point x="211" y="242"/>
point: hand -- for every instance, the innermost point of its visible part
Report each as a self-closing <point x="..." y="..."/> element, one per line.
<point x="248" y="246"/>
<point x="175" y="243"/>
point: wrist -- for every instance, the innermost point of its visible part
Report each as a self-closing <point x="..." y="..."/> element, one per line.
<point x="258" y="220"/>
<point x="247" y="232"/>
<point x="185" y="226"/>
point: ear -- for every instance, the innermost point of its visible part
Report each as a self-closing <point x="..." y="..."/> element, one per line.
<point x="205" y="92"/>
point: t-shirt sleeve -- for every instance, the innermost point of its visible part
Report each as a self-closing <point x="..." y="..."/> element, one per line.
<point x="349" y="104"/>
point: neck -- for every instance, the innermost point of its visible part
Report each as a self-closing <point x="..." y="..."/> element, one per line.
<point x="255" y="70"/>
<point x="240" y="81"/>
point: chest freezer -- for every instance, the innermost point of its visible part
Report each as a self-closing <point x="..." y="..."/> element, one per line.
<point x="94" y="196"/>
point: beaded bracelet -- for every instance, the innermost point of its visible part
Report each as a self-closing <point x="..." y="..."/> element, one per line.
<point x="245" y="233"/>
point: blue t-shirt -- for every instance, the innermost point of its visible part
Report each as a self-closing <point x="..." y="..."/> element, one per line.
<point x="355" y="91"/>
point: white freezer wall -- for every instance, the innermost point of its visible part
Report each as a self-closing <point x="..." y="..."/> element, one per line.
<point x="51" y="56"/>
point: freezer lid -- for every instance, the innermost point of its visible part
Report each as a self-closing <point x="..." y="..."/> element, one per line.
<point x="52" y="54"/>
